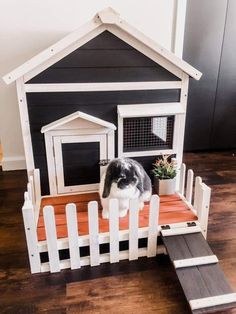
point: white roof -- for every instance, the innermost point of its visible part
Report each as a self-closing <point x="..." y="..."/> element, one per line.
<point x="76" y="115"/>
<point x="150" y="110"/>
<point x="107" y="19"/>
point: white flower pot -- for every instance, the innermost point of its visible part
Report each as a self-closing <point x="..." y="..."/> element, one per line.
<point x="164" y="187"/>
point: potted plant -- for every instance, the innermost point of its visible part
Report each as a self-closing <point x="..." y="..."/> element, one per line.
<point x="164" y="171"/>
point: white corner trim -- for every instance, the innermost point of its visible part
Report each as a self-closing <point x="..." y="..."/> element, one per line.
<point x="13" y="163"/>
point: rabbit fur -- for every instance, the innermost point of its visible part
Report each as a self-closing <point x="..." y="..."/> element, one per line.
<point x="124" y="179"/>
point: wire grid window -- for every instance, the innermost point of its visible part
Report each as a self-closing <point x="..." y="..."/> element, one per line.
<point x="148" y="133"/>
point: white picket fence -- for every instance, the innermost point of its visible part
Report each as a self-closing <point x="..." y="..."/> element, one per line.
<point x="94" y="239"/>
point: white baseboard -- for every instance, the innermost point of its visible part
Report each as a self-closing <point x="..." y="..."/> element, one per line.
<point x="13" y="163"/>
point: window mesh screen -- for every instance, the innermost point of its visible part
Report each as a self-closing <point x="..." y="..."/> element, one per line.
<point x="148" y="133"/>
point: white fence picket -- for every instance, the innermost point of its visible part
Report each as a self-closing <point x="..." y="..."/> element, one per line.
<point x="73" y="235"/>
<point x="182" y="179"/>
<point x="51" y="236"/>
<point x="197" y="187"/>
<point x="203" y="207"/>
<point x="114" y="230"/>
<point x="153" y="226"/>
<point x="37" y="189"/>
<point x="133" y="229"/>
<point x="31" y="181"/>
<point x="93" y="233"/>
<point x="37" y="185"/>
<point x="31" y="235"/>
<point x="29" y="190"/>
<point x="189" y="188"/>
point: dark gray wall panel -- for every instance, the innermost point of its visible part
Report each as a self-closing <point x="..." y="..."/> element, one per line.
<point x="106" y="74"/>
<point x="83" y="58"/>
<point x="202" y="48"/>
<point x="105" y="58"/>
<point x="224" y="123"/>
<point x="106" y="40"/>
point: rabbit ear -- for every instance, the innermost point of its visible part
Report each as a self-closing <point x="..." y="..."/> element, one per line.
<point x="139" y="174"/>
<point x="107" y="183"/>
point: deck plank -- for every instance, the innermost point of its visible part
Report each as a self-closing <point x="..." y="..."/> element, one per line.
<point x="172" y="210"/>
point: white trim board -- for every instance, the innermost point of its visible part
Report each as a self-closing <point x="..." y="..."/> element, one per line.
<point x="109" y="20"/>
<point x="150" y="110"/>
<point x="93" y="87"/>
<point x="13" y="163"/>
<point x="76" y="115"/>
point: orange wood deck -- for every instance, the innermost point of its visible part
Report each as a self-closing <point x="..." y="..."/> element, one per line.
<point x="172" y="210"/>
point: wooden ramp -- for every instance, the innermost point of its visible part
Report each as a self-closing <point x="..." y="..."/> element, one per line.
<point x="202" y="280"/>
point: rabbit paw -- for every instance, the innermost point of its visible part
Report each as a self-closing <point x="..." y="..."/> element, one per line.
<point x="105" y="214"/>
<point x="123" y="212"/>
<point x="141" y="205"/>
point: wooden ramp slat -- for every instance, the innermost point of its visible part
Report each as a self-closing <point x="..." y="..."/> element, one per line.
<point x="200" y="282"/>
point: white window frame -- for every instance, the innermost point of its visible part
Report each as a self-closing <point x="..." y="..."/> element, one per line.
<point x="151" y="110"/>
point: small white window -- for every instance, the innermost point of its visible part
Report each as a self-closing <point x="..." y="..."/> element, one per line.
<point x="148" y="129"/>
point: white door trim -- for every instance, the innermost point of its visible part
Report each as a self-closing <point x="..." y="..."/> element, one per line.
<point x="58" y="141"/>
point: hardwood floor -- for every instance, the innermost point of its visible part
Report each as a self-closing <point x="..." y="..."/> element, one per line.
<point x="144" y="286"/>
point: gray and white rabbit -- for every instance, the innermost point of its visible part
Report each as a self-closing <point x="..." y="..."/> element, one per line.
<point x="124" y="179"/>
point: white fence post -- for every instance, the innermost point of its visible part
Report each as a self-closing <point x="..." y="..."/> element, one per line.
<point x="51" y="236"/>
<point x="29" y="190"/>
<point x="37" y="187"/>
<point x="31" y="235"/>
<point x="114" y="230"/>
<point x="203" y="209"/>
<point x="153" y="226"/>
<point x="73" y="235"/>
<point x="133" y="229"/>
<point x="197" y="187"/>
<point x="31" y="181"/>
<point x="189" y="188"/>
<point x="182" y="179"/>
<point x="93" y="233"/>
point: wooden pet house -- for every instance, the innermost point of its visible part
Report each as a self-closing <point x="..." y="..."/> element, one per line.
<point x="103" y="91"/>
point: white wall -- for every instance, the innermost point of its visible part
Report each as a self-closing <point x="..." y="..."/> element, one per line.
<point x="27" y="27"/>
